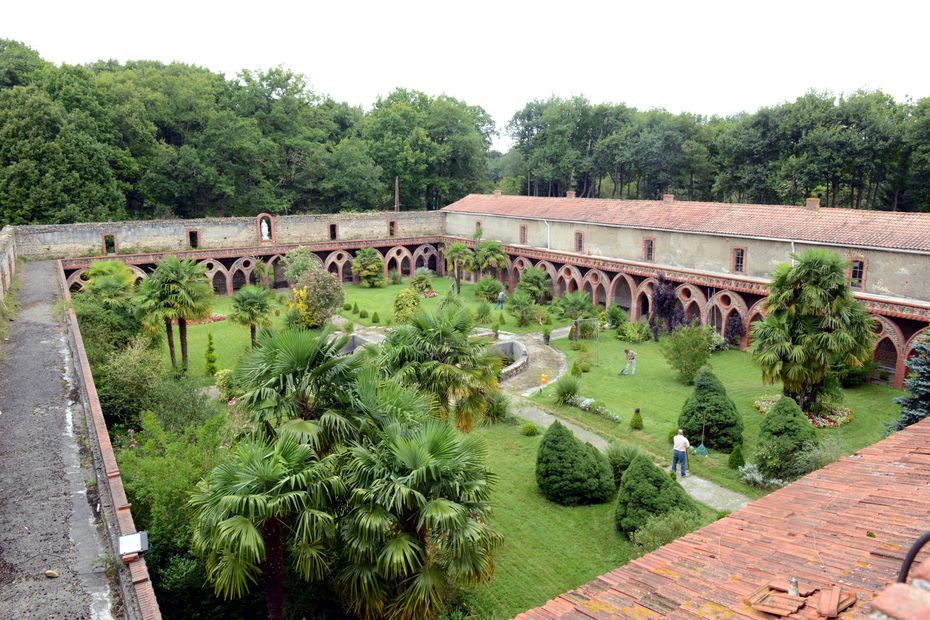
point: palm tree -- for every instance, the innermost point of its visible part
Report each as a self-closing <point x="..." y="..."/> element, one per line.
<point x="812" y="321"/>
<point x="251" y="306"/>
<point x="574" y="306"/>
<point x="110" y="280"/>
<point x="459" y="257"/>
<point x="437" y="354"/>
<point x="417" y="522"/>
<point x="176" y="291"/>
<point x="490" y="255"/>
<point x="268" y="497"/>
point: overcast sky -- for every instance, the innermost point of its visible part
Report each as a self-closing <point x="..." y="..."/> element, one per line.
<point x="708" y="57"/>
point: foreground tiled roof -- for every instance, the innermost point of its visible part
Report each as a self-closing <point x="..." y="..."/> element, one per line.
<point x="848" y="524"/>
<point x="881" y="229"/>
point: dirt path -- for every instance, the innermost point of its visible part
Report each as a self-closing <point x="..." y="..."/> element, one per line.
<point x="46" y="522"/>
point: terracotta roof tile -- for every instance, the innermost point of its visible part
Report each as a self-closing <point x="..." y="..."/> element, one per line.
<point x="854" y="227"/>
<point x="848" y="524"/>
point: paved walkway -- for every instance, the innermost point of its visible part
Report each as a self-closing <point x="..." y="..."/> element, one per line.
<point x="46" y="521"/>
<point x="543" y="359"/>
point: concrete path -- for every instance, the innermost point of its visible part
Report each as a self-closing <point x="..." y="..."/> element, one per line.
<point x="46" y="520"/>
<point x="544" y="359"/>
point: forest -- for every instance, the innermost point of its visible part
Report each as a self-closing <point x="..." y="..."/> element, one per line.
<point x="143" y="140"/>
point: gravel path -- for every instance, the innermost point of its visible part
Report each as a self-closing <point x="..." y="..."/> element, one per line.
<point x="46" y="522"/>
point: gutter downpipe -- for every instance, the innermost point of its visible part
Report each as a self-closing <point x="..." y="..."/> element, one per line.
<point x="548" y="233"/>
<point x="792" y="253"/>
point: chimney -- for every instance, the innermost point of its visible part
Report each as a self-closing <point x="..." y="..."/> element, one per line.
<point x="812" y="203"/>
<point x="498" y="193"/>
<point x="570" y="193"/>
<point x="668" y="197"/>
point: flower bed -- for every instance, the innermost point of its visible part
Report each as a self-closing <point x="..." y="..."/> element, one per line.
<point x="429" y="293"/>
<point x="213" y="318"/>
<point x="593" y="406"/>
<point x="833" y="417"/>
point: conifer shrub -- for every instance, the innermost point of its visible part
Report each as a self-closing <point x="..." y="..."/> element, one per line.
<point x="646" y="491"/>
<point x="355" y="308"/>
<point x="663" y="529"/>
<point x="784" y="436"/>
<point x="529" y="429"/>
<point x="363" y="314"/>
<point x="736" y="459"/>
<point x="347" y="306"/>
<point x="375" y="318"/>
<point x="570" y="472"/>
<point x="636" y="422"/>
<point x="620" y="455"/>
<point x="210" y="357"/>
<point x="710" y="410"/>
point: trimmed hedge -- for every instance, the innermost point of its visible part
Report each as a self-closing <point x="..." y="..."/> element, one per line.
<point x="572" y="473"/>
<point x="647" y="491"/>
<point x="710" y="410"/>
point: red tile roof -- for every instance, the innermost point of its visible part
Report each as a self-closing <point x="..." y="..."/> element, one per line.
<point x="849" y="523"/>
<point x="881" y="229"/>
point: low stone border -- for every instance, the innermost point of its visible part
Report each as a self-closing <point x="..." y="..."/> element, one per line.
<point x="138" y="594"/>
<point x="516" y="350"/>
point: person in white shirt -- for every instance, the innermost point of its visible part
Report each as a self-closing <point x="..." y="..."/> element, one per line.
<point x="680" y="452"/>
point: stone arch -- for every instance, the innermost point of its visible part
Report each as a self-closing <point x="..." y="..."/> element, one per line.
<point x="138" y="273"/>
<point x="622" y="291"/>
<point x="76" y="280"/>
<point x="756" y="313"/>
<point x="339" y="263"/>
<point x="427" y="256"/>
<point x="218" y="276"/>
<point x="241" y="272"/>
<point x="887" y="357"/>
<point x="597" y="284"/>
<point x="913" y="340"/>
<point x="642" y="297"/>
<point x="725" y="301"/>
<point x="688" y="293"/>
<point x="277" y="272"/>
<point x="401" y="257"/>
<point x="521" y="263"/>
<point x="887" y="331"/>
<point x="569" y="279"/>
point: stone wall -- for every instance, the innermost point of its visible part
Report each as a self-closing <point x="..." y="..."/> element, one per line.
<point x="888" y="272"/>
<point x="140" y="236"/>
<point x="7" y="260"/>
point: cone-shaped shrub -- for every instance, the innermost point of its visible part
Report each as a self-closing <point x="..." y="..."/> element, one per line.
<point x="375" y="318"/>
<point x="636" y="422"/>
<point x="784" y="433"/>
<point x="736" y="459"/>
<point x="646" y="491"/>
<point x="569" y="472"/>
<point x="355" y="308"/>
<point x="711" y="410"/>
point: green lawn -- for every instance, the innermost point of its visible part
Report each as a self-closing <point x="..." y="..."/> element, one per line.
<point x="660" y="396"/>
<point x="381" y="300"/>
<point x="548" y="549"/>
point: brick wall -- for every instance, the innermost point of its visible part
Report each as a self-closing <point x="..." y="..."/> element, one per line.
<point x="140" y="236"/>
<point x="7" y="260"/>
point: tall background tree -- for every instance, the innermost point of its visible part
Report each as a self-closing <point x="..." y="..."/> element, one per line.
<point x="916" y="405"/>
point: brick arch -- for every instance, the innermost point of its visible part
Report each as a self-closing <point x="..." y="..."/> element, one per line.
<point x="719" y="301"/>
<point x="756" y="312"/>
<point x="888" y="330"/>
<point x="571" y="276"/>
<point x="341" y="259"/>
<point x="277" y="271"/>
<point x="553" y="275"/>
<point x="76" y="279"/>
<point x="424" y="253"/>
<point x="399" y="255"/>
<point x="244" y="265"/>
<point x="643" y="293"/>
<point x="913" y="340"/>
<point x="521" y="263"/>
<point x="692" y="300"/>
<point x="597" y="280"/>
<point x="138" y="272"/>
<point x="214" y="268"/>
<point x="622" y="281"/>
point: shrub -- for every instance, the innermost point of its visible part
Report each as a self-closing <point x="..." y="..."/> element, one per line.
<point x="228" y="385"/>
<point x="501" y="319"/>
<point x="349" y="327"/>
<point x="363" y="314"/>
<point x="646" y="491"/>
<point x="853" y="376"/>
<point x="751" y="475"/>
<point x="633" y="332"/>
<point x="663" y="529"/>
<point x="736" y="459"/>
<point x="687" y="350"/>
<point x="375" y="318"/>
<point x="425" y="271"/>
<point x="488" y="288"/>
<point x="572" y="473"/>
<point x="636" y="422"/>
<point x="498" y="409"/>
<point x="566" y="388"/>
<point x="421" y="283"/>
<point x="522" y="307"/>
<point x="395" y="277"/>
<point x="355" y="308"/>
<point x="298" y="262"/>
<point x="368" y="267"/>
<point x="620" y="455"/>
<point x="529" y="429"/>
<point x="315" y="296"/>
<point x="616" y="316"/>
<point x="406" y="305"/>
<point x="547" y="334"/>
<point x="735" y="330"/>
<point x="180" y="403"/>
<point x="495" y="329"/>
<point x="210" y="357"/>
<point x="783" y="434"/>
<point x="483" y="312"/>
<point x="715" y="342"/>
<point x="347" y="307"/>
<point x="709" y="413"/>
<point x="576" y="370"/>
<point x="128" y="382"/>
<point x="586" y="330"/>
<point x="535" y="282"/>
<point x="451" y="300"/>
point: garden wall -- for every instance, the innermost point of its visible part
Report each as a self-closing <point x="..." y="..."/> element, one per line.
<point x="139" y="236"/>
<point x="138" y="595"/>
<point x="7" y="260"/>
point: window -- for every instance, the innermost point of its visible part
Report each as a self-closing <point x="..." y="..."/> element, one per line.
<point x="523" y="235"/>
<point x="739" y="260"/>
<point x="649" y="250"/>
<point x="392" y="228"/>
<point x="478" y="226"/>
<point x="579" y="241"/>
<point x="109" y="244"/>
<point x="333" y="231"/>
<point x="193" y="239"/>
<point x="857" y="274"/>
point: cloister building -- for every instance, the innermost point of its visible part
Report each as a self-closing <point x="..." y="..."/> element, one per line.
<point x="719" y="255"/>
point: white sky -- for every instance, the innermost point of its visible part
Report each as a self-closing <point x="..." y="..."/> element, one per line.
<point x="707" y="57"/>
